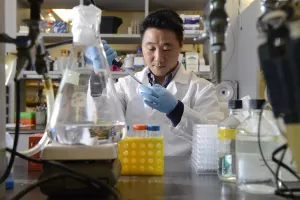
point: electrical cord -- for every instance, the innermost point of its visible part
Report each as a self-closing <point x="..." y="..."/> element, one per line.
<point x="13" y="151"/>
<point x="281" y="163"/>
<point x="286" y="191"/>
<point x="63" y="167"/>
<point x="278" y="166"/>
<point x="46" y="180"/>
<point x="17" y="129"/>
<point x="260" y="147"/>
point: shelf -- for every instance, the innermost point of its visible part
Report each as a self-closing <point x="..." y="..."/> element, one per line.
<point x="110" y="38"/>
<point x="34" y="75"/>
<point x="178" y="4"/>
<point x="58" y="75"/>
<point x="127" y="5"/>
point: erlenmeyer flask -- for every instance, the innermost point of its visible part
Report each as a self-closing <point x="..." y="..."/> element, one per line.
<point x="81" y="114"/>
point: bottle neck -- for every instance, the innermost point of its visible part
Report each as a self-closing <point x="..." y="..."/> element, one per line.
<point x="255" y="112"/>
<point x="235" y="111"/>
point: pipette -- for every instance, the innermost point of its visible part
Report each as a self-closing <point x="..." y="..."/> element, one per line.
<point x="117" y="62"/>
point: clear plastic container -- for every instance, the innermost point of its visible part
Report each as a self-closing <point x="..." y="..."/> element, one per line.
<point x="253" y="176"/>
<point x="226" y="141"/>
<point x="139" y="130"/>
<point x="153" y="131"/>
<point x="139" y="63"/>
<point x="204" y="148"/>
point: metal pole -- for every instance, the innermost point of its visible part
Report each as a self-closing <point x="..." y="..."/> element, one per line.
<point x="2" y="99"/>
<point x="146" y="8"/>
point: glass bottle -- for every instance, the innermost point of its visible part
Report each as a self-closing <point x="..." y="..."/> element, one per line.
<point x="226" y="141"/>
<point x="140" y="130"/>
<point x="253" y="175"/>
<point x="153" y="131"/>
<point x="139" y="63"/>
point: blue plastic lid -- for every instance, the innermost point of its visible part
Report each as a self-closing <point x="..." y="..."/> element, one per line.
<point x="139" y="49"/>
<point x="9" y="183"/>
<point x="153" y="127"/>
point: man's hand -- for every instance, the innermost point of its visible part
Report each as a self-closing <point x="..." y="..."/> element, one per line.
<point x="158" y="97"/>
<point x="92" y="55"/>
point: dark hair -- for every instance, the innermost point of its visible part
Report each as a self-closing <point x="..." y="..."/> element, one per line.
<point x="164" y="19"/>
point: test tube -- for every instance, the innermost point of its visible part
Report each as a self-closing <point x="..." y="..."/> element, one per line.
<point x="140" y="130"/>
<point x="153" y="130"/>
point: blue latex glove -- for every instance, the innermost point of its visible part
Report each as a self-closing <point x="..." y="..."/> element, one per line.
<point x="92" y="55"/>
<point x="158" y="97"/>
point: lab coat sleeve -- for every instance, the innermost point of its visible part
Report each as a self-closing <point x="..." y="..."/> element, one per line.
<point x="121" y="94"/>
<point x="205" y="110"/>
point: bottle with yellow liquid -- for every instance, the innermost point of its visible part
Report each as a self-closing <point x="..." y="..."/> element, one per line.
<point x="226" y="141"/>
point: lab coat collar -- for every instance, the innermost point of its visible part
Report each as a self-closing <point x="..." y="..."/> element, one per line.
<point x="182" y="76"/>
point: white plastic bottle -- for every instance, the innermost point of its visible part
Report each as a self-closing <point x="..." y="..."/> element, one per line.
<point x="139" y="63"/>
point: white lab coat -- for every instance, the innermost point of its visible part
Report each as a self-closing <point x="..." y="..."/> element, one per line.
<point x="200" y="107"/>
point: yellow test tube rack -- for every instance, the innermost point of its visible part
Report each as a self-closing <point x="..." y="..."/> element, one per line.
<point x="142" y="155"/>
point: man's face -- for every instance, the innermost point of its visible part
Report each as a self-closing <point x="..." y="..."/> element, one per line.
<point x="161" y="50"/>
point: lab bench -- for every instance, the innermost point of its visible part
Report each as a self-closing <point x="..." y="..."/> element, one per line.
<point x="179" y="182"/>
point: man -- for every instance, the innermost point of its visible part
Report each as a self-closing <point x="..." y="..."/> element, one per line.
<point x="170" y="96"/>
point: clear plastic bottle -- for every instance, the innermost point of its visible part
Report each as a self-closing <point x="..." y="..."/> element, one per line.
<point x="153" y="131"/>
<point x="139" y="63"/>
<point x="140" y="130"/>
<point x="226" y="141"/>
<point x="253" y="175"/>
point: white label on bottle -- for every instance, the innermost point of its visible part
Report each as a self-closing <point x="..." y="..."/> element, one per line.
<point x="72" y="77"/>
<point x="139" y="62"/>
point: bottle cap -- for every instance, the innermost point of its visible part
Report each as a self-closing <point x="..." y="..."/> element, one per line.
<point x="256" y="103"/>
<point x="9" y="183"/>
<point x="235" y="104"/>
<point x="153" y="128"/>
<point x="139" y="127"/>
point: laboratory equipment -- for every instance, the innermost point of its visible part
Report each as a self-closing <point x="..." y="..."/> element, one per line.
<point x="120" y="65"/>
<point x="138" y="61"/>
<point x="140" y="130"/>
<point x="153" y="131"/>
<point x="85" y="125"/>
<point x="253" y="175"/>
<point x="204" y="149"/>
<point x="279" y="26"/>
<point x="142" y="156"/>
<point x="31" y="54"/>
<point x="217" y="23"/>
<point x="226" y="141"/>
<point x="227" y="90"/>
